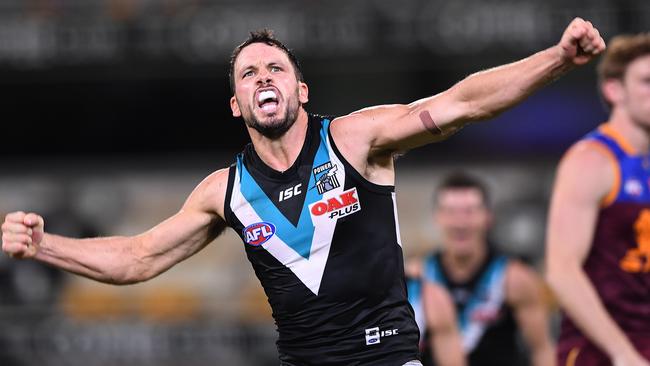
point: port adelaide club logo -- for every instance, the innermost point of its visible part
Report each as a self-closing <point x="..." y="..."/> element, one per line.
<point x="325" y="176"/>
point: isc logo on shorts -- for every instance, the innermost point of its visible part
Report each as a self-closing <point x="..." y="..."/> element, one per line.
<point x="258" y="233"/>
<point x="344" y="204"/>
<point x="373" y="335"/>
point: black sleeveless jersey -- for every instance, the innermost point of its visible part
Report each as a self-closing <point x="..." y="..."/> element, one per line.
<point x="324" y="243"/>
<point x="486" y="322"/>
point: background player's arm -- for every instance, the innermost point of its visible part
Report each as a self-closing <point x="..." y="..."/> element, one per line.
<point x="124" y="260"/>
<point x="524" y="293"/>
<point x="440" y="316"/>
<point x="584" y="178"/>
<point x="386" y="129"/>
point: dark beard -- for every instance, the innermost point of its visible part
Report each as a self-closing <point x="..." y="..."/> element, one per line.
<point x="275" y="128"/>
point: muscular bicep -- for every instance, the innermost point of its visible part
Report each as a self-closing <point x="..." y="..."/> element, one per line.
<point x="585" y="177"/>
<point x="370" y="138"/>
<point x="421" y="122"/>
<point x="399" y="127"/>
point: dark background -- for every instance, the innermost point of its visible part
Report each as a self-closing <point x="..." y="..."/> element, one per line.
<point x="150" y="77"/>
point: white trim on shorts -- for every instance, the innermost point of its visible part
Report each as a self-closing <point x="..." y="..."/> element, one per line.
<point x="413" y="363"/>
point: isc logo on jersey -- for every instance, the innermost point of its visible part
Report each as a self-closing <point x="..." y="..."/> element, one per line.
<point x="338" y="206"/>
<point x="258" y="233"/>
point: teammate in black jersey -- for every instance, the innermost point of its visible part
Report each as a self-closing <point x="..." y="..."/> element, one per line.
<point x="298" y="192"/>
<point x="473" y="299"/>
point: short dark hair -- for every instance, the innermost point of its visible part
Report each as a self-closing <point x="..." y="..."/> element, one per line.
<point x="262" y="36"/>
<point x="461" y="180"/>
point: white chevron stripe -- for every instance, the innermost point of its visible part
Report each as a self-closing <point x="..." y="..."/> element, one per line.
<point x="475" y="330"/>
<point x="309" y="271"/>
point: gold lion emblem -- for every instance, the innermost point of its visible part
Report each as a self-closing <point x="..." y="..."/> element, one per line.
<point x="637" y="259"/>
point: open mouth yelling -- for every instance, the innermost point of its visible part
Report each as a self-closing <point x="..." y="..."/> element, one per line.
<point x="460" y="234"/>
<point x="267" y="100"/>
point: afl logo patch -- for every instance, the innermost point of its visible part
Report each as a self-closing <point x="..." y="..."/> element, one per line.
<point x="258" y="233"/>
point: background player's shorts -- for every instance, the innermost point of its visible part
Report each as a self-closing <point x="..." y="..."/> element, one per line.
<point x="581" y="352"/>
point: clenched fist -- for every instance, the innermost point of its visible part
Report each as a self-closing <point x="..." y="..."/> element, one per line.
<point x="581" y="42"/>
<point x="21" y="234"/>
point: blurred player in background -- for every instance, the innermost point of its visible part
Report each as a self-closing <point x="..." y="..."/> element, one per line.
<point x="474" y="299"/>
<point x="312" y="199"/>
<point x="598" y="250"/>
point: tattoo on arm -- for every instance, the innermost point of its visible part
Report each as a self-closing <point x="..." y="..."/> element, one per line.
<point x="429" y="124"/>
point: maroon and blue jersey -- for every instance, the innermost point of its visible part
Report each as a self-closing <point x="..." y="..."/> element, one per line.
<point x="324" y="242"/>
<point x="618" y="263"/>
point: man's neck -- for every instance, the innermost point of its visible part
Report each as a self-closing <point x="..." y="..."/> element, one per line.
<point x="280" y="153"/>
<point x="634" y="133"/>
<point x="462" y="267"/>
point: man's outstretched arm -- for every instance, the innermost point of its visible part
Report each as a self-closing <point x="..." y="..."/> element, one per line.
<point x="480" y="96"/>
<point x="124" y="260"/>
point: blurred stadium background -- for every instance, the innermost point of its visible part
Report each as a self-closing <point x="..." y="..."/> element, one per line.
<point x="113" y="110"/>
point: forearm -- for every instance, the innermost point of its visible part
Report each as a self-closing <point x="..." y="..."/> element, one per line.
<point x="538" y="337"/>
<point x="112" y="260"/>
<point x="524" y="294"/>
<point x="580" y="300"/>
<point x="544" y="355"/>
<point x="489" y="92"/>
<point x="447" y="349"/>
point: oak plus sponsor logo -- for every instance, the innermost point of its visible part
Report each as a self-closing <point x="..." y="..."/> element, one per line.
<point x="258" y="233"/>
<point x="374" y="335"/>
<point x="325" y="176"/>
<point x="337" y="206"/>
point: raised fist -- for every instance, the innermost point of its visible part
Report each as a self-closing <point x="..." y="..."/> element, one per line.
<point x="581" y="42"/>
<point x="21" y="234"/>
